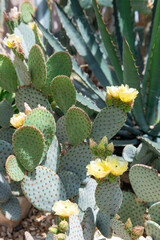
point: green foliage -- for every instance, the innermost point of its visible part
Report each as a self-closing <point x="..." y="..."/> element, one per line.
<point x="27" y="11"/>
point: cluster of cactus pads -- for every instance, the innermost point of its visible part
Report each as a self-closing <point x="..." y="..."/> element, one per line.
<point x="45" y="159"/>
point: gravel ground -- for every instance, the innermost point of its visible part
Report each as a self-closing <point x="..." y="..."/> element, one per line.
<point x="37" y="223"/>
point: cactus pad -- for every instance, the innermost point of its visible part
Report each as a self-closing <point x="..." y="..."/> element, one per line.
<point x="37" y="67"/>
<point x="5" y="151"/>
<point x="71" y="183"/>
<point x="14" y="169"/>
<point x="22" y="71"/>
<point x="58" y="64"/>
<point x="88" y="225"/>
<point x="11" y="209"/>
<point x="76" y="160"/>
<point x="44" y="121"/>
<point x="129" y="153"/>
<point x="154" y="212"/>
<point x="6" y="134"/>
<point x="32" y="97"/>
<point x="108" y="122"/>
<point x="64" y="92"/>
<point x="78" y="125"/>
<point x="27" y="11"/>
<point x="153" y="230"/>
<point x="87" y="195"/>
<point x="119" y="228"/>
<point x="51" y="236"/>
<point x="61" y="130"/>
<point x="103" y="224"/>
<point x="145" y="182"/>
<point x="153" y="146"/>
<point x="75" y="230"/>
<point x="6" y="113"/>
<point x="132" y="208"/>
<point x="8" y="75"/>
<point x="5" y="191"/>
<point x="108" y="197"/>
<point x="52" y="158"/>
<point x="28" y="146"/>
<point x="42" y="188"/>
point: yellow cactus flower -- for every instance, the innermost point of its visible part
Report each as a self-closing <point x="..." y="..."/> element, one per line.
<point x="98" y="168"/>
<point x="65" y="208"/>
<point x="127" y="94"/>
<point x="116" y="166"/>
<point x="113" y="91"/>
<point x="12" y="41"/>
<point x="18" y="119"/>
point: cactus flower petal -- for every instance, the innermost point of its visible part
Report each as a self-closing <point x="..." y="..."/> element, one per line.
<point x="98" y="168"/>
<point x="17" y="120"/>
<point x="116" y="166"/>
<point x="65" y="208"/>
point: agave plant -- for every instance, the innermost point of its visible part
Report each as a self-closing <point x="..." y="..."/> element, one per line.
<point x="123" y="54"/>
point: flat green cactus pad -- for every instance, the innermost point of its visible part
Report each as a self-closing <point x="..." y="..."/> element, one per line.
<point x="129" y="153"/>
<point x="52" y="158"/>
<point x="14" y="169"/>
<point x="108" y="122"/>
<point x="153" y="146"/>
<point x="63" y="92"/>
<point x="27" y="11"/>
<point x="108" y="197"/>
<point x="6" y="111"/>
<point x="143" y="155"/>
<point x="43" y="188"/>
<point x="37" y="67"/>
<point x="32" y="97"/>
<point x="28" y="236"/>
<point x="71" y="183"/>
<point x="76" y="160"/>
<point x="132" y="208"/>
<point x="44" y="121"/>
<point x="78" y="125"/>
<point x="51" y="236"/>
<point x="119" y="228"/>
<point x="5" y="191"/>
<point x="6" y="134"/>
<point x="22" y="71"/>
<point x="103" y="224"/>
<point x="86" y="196"/>
<point x="145" y="182"/>
<point x="11" y="209"/>
<point x="61" y="130"/>
<point x="16" y="188"/>
<point x="153" y="230"/>
<point x="154" y="212"/>
<point x="58" y="64"/>
<point x="8" y="75"/>
<point x="88" y="224"/>
<point x="28" y="146"/>
<point x="75" y="230"/>
<point x="5" y="151"/>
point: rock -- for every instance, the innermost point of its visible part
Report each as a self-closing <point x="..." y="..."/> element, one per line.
<point x="25" y="207"/>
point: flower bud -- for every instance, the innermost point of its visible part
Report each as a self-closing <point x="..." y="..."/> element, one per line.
<point x="110" y="147"/>
<point x="27" y="108"/>
<point x="93" y="146"/>
<point x="63" y="226"/>
<point x="103" y="143"/>
<point x="138" y="231"/>
<point x="117" y="217"/>
<point x="61" y="236"/>
<point x="54" y="229"/>
<point x="128" y="224"/>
